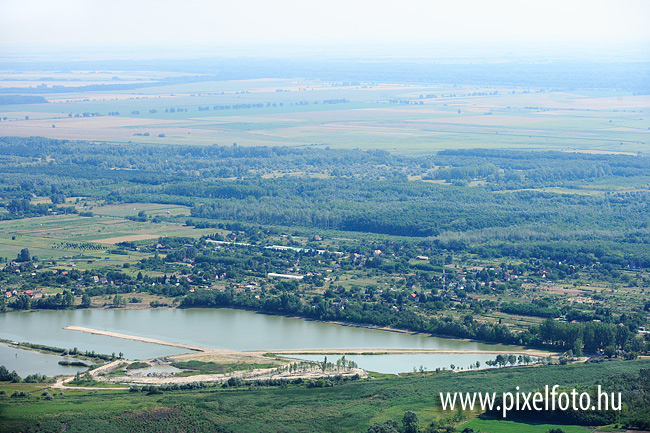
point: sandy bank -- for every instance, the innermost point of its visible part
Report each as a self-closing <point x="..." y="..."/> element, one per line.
<point x="379" y="351"/>
<point x="137" y="338"/>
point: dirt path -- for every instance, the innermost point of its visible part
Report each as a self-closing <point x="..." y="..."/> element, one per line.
<point x="61" y="382"/>
<point x="313" y="372"/>
<point x="136" y="338"/>
<point x="305" y="352"/>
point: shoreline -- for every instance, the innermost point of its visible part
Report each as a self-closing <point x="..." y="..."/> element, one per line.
<point x="505" y="347"/>
<point x="136" y="338"/>
<point x="344" y="351"/>
<point x="379" y="352"/>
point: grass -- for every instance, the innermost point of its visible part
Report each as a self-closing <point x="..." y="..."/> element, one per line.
<point x="200" y="367"/>
<point x="350" y="407"/>
<point x="62" y="237"/>
<point x="506" y="426"/>
<point x="137" y="365"/>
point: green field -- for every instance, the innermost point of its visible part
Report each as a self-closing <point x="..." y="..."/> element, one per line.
<point x="65" y="237"/>
<point x="350" y="407"/>
<point x="505" y="426"/>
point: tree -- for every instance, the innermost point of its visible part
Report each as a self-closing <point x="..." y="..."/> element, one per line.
<point x="21" y="302"/>
<point x="388" y="426"/>
<point x="118" y="301"/>
<point x="68" y="299"/>
<point x="5" y="376"/>
<point x="410" y="422"/>
<point x="577" y="347"/>
<point x="24" y="255"/>
<point x="85" y="300"/>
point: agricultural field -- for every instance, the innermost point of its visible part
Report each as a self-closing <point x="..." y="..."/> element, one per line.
<point x="407" y="118"/>
<point x="81" y="239"/>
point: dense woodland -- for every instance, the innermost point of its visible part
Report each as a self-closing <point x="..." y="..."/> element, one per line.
<point x="354" y="190"/>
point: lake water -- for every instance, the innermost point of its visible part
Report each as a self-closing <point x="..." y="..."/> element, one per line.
<point x="26" y="362"/>
<point x="405" y="363"/>
<point x="215" y="328"/>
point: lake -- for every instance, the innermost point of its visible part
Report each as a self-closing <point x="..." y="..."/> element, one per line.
<point x="405" y="363"/>
<point x="214" y="328"/>
<point x="26" y="362"/>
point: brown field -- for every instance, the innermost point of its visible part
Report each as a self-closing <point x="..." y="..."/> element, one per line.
<point x="95" y="128"/>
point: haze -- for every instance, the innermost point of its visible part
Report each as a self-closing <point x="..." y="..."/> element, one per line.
<point x="378" y="27"/>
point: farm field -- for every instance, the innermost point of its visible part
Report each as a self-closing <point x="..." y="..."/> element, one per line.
<point x="406" y="118"/>
<point x="86" y="240"/>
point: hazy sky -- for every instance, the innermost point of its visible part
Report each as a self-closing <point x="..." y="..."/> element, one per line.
<point x="76" y="24"/>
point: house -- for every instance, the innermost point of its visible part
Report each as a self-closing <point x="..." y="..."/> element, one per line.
<point x="422" y="258"/>
<point x="291" y="277"/>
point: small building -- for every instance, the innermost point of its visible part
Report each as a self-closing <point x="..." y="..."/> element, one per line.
<point x="288" y="276"/>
